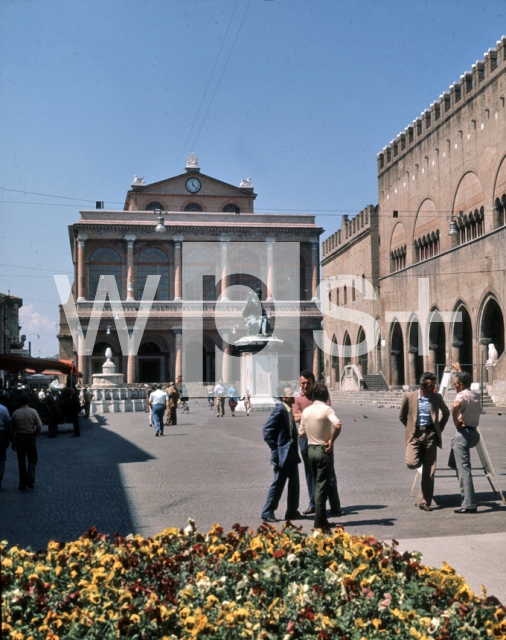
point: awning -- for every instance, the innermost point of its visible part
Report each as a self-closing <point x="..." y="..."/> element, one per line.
<point x="15" y="364"/>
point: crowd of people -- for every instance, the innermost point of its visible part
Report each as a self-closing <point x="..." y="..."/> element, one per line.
<point x="308" y="424"/>
<point x="301" y="428"/>
<point x="22" y="414"/>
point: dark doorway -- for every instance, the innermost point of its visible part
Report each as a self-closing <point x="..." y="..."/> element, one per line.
<point x="149" y="370"/>
<point x="416" y="359"/>
<point x="437" y="343"/>
<point x="463" y="340"/>
<point x="397" y="357"/>
<point x="362" y="358"/>
<point x="492" y="325"/>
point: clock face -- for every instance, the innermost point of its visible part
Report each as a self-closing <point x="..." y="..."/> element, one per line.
<point x="193" y="185"/>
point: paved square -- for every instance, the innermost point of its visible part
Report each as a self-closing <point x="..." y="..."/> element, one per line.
<point x="119" y="477"/>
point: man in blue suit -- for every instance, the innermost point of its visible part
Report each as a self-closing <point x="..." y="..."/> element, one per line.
<point x="281" y="434"/>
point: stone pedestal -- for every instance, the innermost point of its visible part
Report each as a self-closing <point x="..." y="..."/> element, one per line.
<point x="259" y="370"/>
<point x="110" y="395"/>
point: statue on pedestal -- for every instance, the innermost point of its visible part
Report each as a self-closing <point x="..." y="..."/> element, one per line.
<point x="255" y="318"/>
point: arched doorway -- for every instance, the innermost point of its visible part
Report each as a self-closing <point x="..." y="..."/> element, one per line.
<point x="492" y="325"/>
<point x="150" y="362"/>
<point x="362" y="359"/>
<point x="396" y="356"/>
<point x="437" y="345"/>
<point x="347" y="350"/>
<point x="334" y="375"/>
<point x="415" y="359"/>
<point x="462" y="343"/>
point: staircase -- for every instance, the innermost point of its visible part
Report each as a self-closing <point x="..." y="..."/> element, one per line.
<point x="375" y="382"/>
<point x="390" y="399"/>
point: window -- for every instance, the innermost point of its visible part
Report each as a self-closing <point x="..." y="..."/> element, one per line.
<point x="231" y="208"/>
<point x="104" y="262"/>
<point x="154" y="205"/>
<point x="471" y="225"/>
<point x="198" y="278"/>
<point x="243" y="266"/>
<point x="396" y="214"/>
<point x="153" y="262"/>
<point x="193" y="206"/>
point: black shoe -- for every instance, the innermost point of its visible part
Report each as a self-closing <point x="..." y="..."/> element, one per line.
<point x="464" y="510"/>
<point x="269" y="519"/>
<point x="310" y="511"/>
<point x="295" y="516"/>
<point x="157" y="434"/>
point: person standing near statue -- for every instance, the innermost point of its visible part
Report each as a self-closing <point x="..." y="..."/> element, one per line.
<point x="220" y="393"/>
<point x="466" y="417"/>
<point x="232" y="394"/>
<point x="424" y="414"/>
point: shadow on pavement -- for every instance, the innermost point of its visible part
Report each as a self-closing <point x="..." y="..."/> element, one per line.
<point x="78" y="485"/>
<point x="382" y="522"/>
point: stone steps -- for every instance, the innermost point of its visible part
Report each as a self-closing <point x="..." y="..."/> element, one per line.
<point x="391" y="399"/>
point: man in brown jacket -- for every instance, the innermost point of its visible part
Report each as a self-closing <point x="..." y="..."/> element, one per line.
<point x="424" y="414"/>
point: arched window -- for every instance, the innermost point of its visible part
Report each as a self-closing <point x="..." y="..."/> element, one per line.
<point x="193" y="206"/>
<point x="287" y="275"/>
<point x="231" y="208"/>
<point x="153" y="262"/>
<point x="104" y="262"/>
<point x="199" y="280"/>
<point x="154" y="205"/>
<point x="244" y="266"/>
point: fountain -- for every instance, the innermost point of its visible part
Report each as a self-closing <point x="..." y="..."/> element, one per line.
<point x="110" y="394"/>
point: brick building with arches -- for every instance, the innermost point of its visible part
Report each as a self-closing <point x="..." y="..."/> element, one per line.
<point x="195" y="208"/>
<point x="445" y="172"/>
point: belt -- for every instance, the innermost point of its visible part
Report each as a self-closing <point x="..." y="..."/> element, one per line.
<point x="426" y="426"/>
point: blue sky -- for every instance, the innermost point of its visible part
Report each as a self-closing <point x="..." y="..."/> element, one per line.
<point x="301" y="96"/>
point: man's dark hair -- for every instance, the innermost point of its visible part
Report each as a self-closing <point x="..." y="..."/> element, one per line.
<point x="24" y="398"/>
<point x="465" y="378"/>
<point x="427" y="375"/>
<point x="320" y="392"/>
<point x="309" y="375"/>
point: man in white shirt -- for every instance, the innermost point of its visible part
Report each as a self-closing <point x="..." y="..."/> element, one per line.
<point x="466" y="417"/>
<point x="220" y="392"/>
<point x="321" y="426"/>
<point x="158" y="401"/>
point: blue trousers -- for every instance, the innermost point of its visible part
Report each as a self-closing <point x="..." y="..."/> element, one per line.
<point x="158" y="412"/>
<point x="289" y="471"/>
<point x="335" y="502"/>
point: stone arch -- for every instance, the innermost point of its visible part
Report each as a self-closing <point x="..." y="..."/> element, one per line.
<point x="398" y="247"/>
<point x="152" y="359"/>
<point x="491" y="325"/>
<point x="334" y="367"/>
<point x="462" y="338"/>
<point x="153" y="205"/>
<point x="468" y="198"/>
<point x="415" y="358"/>
<point x="437" y="344"/>
<point x="193" y="206"/>
<point x="362" y="359"/>
<point x="347" y="349"/>
<point x="396" y="355"/>
<point x="500" y="196"/>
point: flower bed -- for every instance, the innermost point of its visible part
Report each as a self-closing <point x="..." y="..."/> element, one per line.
<point x="267" y="584"/>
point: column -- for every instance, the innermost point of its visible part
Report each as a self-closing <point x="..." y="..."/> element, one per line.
<point x="412" y="354"/>
<point x="178" y="368"/>
<point x="270" y="269"/>
<point x="483" y="357"/>
<point x="82" y="365"/>
<point x="224" y="267"/>
<point x="456" y="346"/>
<point x="394" y="367"/>
<point x="225" y="368"/>
<point x="130" y="266"/>
<point x="314" y="267"/>
<point x="316" y="361"/>
<point x="81" y="274"/>
<point x="178" y="268"/>
<point x="432" y="357"/>
<point x="131" y="368"/>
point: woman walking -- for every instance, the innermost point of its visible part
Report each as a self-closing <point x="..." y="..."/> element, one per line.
<point x="232" y="398"/>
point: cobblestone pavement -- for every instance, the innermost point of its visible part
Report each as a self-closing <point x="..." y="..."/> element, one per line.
<point x="119" y="477"/>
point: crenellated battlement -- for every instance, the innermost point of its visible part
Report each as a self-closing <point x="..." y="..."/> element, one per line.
<point x="350" y="229"/>
<point x="470" y="83"/>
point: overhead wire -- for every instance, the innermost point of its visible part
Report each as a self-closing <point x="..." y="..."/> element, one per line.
<point x="207" y="86"/>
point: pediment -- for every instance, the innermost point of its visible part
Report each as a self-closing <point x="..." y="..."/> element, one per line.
<point x="177" y="186"/>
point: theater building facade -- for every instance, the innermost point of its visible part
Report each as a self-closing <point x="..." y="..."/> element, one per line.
<point x="437" y="244"/>
<point x="195" y="208"/>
